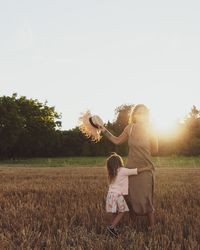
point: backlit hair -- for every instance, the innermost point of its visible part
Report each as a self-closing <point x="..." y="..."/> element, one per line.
<point x="132" y="118"/>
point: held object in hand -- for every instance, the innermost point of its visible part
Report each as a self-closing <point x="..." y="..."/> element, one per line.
<point x="90" y="125"/>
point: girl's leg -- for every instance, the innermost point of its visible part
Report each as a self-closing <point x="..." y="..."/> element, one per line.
<point x="151" y="220"/>
<point x="111" y="217"/>
<point x="117" y="219"/>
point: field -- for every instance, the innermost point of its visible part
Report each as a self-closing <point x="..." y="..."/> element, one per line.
<point x="167" y="161"/>
<point x="64" y="207"/>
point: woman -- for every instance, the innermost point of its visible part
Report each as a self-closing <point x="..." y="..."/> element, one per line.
<point x="141" y="143"/>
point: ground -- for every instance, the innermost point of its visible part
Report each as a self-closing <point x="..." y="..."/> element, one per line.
<point x="64" y="208"/>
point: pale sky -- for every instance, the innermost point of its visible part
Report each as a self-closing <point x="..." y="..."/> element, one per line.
<point x="98" y="55"/>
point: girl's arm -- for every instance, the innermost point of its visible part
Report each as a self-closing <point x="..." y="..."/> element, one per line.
<point x="140" y="170"/>
<point x="116" y="139"/>
<point x="129" y="171"/>
<point x="134" y="171"/>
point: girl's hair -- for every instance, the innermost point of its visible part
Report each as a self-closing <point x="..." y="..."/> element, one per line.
<point x="113" y="163"/>
<point x="132" y="118"/>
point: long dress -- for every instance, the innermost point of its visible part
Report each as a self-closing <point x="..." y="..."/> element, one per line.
<point x="141" y="186"/>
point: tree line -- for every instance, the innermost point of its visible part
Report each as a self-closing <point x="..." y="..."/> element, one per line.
<point x="29" y="128"/>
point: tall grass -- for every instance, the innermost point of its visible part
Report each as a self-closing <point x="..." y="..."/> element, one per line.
<point x="64" y="208"/>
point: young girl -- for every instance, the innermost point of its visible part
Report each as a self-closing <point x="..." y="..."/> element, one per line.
<point x="118" y="186"/>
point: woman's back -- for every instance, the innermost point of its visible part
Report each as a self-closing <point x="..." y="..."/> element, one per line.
<point x="139" y="147"/>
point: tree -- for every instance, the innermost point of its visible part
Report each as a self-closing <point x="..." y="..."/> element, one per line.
<point x="122" y="117"/>
<point x="121" y="121"/>
<point x="11" y="124"/>
<point x="191" y="133"/>
<point x="27" y="127"/>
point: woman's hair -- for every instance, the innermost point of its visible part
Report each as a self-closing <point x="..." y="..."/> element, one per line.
<point x="113" y="163"/>
<point x="132" y="118"/>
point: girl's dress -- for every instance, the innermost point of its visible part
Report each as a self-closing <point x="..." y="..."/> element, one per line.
<point x="115" y="201"/>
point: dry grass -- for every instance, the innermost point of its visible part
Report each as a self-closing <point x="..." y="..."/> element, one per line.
<point x="64" y="208"/>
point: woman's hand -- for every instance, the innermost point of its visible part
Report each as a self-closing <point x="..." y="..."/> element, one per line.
<point x="100" y="127"/>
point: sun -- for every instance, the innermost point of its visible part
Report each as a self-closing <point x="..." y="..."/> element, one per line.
<point x="164" y="123"/>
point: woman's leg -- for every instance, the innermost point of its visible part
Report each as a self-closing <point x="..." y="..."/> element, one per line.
<point x="151" y="220"/>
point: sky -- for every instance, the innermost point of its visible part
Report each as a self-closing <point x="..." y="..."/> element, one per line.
<point x="97" y="55"/>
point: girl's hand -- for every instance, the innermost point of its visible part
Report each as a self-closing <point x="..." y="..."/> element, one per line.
<point x="140" y="170"/>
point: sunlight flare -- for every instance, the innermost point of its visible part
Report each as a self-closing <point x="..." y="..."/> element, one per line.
<point x="165" y="122"/>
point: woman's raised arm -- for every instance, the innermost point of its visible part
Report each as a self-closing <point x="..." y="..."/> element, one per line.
<point x="116" y="139"/>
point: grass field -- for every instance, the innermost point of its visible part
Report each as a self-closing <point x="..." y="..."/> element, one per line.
<point x="167" y="161"/>
<point x="64" y="208"/>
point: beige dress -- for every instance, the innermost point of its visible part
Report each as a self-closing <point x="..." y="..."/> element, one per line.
<point x="141" y="186"/>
